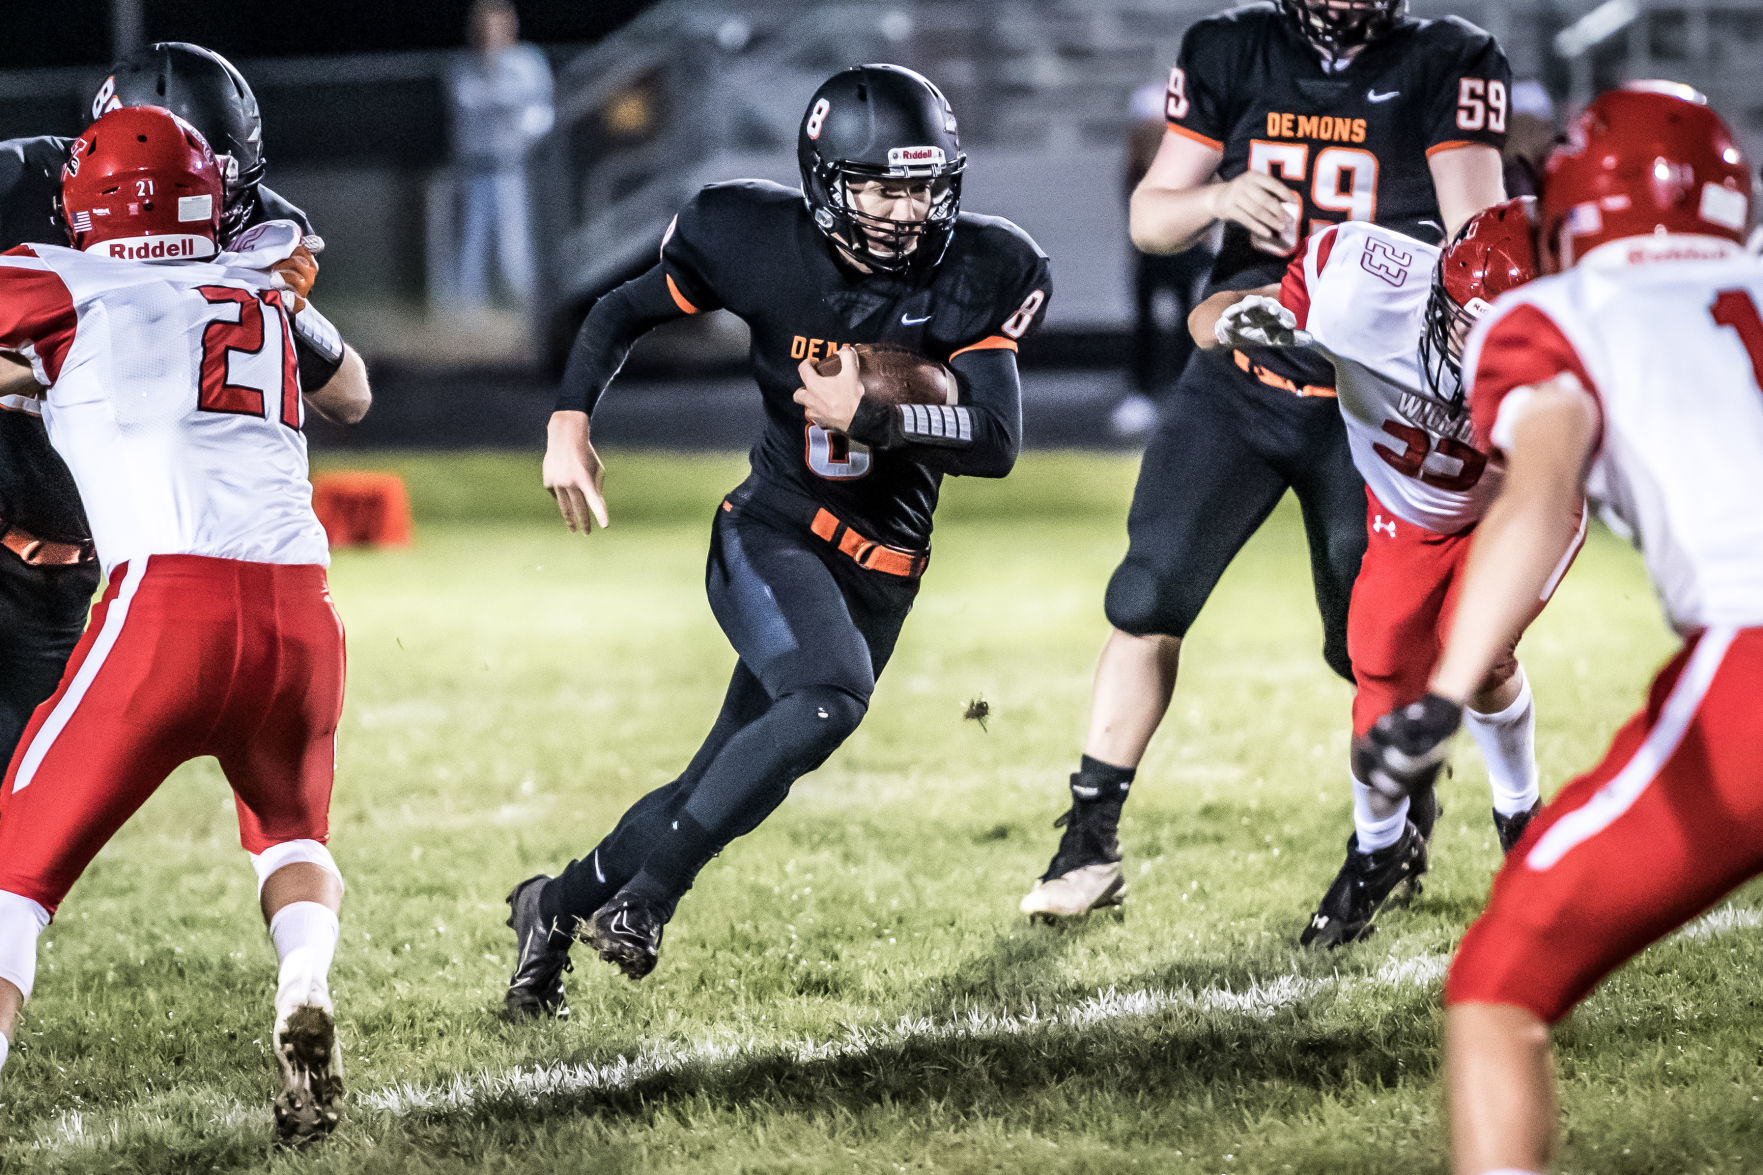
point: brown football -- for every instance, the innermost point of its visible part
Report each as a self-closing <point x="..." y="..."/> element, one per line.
<point x="895" y="375"/>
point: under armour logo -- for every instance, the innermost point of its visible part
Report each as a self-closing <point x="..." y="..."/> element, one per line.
<point x="1377" y="523"/>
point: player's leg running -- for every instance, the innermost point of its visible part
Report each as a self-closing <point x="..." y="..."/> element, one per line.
<point x="1667" y="824"/>
<point x="1202" y="491"/>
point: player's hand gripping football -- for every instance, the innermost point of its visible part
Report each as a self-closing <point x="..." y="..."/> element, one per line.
<point x="1260" y="321"/>
<point x="572" y="471"/>
<point x="1260" y="204"/>
<point x="1402" y="753"/>
<point x="831" y="400"/>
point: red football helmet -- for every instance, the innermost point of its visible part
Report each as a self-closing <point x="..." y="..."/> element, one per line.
<point x="1651" y="157"/>
<point x="141" y="184"/>
<point x="1493" y="252"/>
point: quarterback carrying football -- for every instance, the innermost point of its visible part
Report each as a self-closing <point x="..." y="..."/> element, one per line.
<point x="815" y="559"/>
<point x="1633" y="373"/>
<point x="1283" y="118"/>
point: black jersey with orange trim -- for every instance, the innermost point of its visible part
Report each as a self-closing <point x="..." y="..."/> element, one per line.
<point x="1352" y="142"/>
<point x="36" y="491"/>
<point x="749" y="247"/>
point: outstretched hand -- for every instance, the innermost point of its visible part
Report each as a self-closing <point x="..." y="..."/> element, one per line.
<point x="573" y="473"/>
<point x="1260" y="321"/>
<point x="1403" y="752"/>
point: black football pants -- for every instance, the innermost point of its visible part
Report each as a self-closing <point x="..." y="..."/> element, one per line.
<point x="813" y="631"/>
<point x="42" y="614"/>
<point x="1225" y="451"/>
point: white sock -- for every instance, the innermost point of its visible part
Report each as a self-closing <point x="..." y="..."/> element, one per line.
<point x="5" y="1049"/>
<point x="305" y="935"/>
<point x="1377" y="819"/>
<point x="1508" y="746"/>
<point x="21" y="921"/>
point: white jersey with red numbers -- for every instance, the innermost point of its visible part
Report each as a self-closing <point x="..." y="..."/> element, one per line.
<point x="174" y="397"/>
<point x="1666" y="334"/>
<point x="1361" y="289"/>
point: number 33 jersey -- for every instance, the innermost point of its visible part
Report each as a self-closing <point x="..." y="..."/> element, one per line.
<point x="174" y="396"/>
<point x="1361" y="291"/>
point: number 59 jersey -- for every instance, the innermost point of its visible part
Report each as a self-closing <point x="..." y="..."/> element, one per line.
<point x="1361" y="291"/>
<point x="174" y="397"/>
<point x="1670" y="347"/>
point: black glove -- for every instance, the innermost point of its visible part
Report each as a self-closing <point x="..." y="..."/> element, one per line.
<point x="1405" y="748"/>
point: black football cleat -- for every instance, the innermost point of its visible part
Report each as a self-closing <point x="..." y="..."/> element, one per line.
<point x="1365" y="883"/>
<point x="310" y="1102"/>
<point x="1511" y="828"/>
<point x="1085" y="873"/>
<point x="626" y="932"/>
<point x="541" y="957"/>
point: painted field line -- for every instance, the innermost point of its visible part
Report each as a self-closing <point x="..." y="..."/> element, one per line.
<point x="465" y="1092"/>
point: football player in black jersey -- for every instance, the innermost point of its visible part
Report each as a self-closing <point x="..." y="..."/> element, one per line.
<point x="815" y="558"/>
<point x="47" y="569"/>
<point x="1282" y="116"/>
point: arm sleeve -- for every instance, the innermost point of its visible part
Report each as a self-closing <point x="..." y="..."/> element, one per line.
<point x="318" y="347"/>
<point x="1194" y="105"/>
<point x="1473" y="99"/>
<point x="979" y="436"/>
<point x="1517" y="350"/>
<point x="37" y="313"/>
<point x="615" y="323"/>
<point x="1306" y="266"/>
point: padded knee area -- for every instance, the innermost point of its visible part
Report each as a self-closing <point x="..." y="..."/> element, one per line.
<point x="293" y="852"/>
<point x="814" y="720"/>
<point x="1139" y="602"/>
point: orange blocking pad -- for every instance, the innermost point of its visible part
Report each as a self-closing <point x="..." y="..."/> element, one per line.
<point x="362" y="509"/>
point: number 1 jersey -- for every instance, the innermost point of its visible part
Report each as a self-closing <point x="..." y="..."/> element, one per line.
<point x="174" y="397"/>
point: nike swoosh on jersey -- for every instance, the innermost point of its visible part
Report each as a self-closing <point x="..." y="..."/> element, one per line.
<point x="907" y="320"/>
<point x="1374" y="96"/>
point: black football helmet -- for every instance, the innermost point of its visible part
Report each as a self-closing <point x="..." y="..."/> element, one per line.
<point x="201" y="87"/>
<point x="881" y="122"/>
<point x="1338" y="26"/>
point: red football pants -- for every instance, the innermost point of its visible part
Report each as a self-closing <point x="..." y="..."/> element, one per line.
<point x="184" y="656"/>
<point x="1667" y="824"/>
<point x="1401" y="610"/>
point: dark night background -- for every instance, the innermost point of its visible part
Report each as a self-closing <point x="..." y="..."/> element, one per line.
<point x="37" y="33"/>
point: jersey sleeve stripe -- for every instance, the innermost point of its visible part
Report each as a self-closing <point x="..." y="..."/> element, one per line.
<point x="1522" y="348"/>
<point x="990" y="343"/>
<point x="1452" y="145"/>
<point x="679" y="299"/>
<point x="1196" y="136"/>
<point x="37" y="316"/>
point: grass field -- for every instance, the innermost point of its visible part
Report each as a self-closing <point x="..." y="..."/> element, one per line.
<point x="850" y="988"/>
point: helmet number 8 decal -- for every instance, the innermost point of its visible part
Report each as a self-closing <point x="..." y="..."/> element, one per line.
<point x="817" y="118"/>
<point x="835" y="456"/>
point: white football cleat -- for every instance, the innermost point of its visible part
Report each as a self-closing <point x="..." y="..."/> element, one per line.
<point x="311" y="1099"/>
<point x="1073" y="894"/>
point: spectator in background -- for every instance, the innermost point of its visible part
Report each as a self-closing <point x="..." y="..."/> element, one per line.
<point x="1159" y="351"/>
<point x="501" y="98"/>
<point x="1530" y="137"/>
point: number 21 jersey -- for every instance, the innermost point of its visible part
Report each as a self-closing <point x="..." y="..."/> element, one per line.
<point x="174" y="397"/>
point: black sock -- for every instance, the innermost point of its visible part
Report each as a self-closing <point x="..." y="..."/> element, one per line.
<point x="1099" y="782"/>
<point x="673" y="865"/>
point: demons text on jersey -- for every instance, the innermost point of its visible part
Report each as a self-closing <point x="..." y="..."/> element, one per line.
<point x="814" y="350"/>
<point x="1315" y="126"/>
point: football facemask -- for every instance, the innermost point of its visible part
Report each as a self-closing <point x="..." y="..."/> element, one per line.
<point x="1338" y="26"/>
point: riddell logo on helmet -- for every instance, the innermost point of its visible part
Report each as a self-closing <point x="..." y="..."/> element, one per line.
<point x="916" y="157"/>
<point x="172" y="247"/>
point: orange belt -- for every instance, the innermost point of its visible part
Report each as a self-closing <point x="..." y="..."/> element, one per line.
<point x="1274" y="379"/>
<point x="868" y="554"/>
<point x="44" y="552"/>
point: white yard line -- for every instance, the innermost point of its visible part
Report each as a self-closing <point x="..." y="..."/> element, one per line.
<point x="484" y="1088"/>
